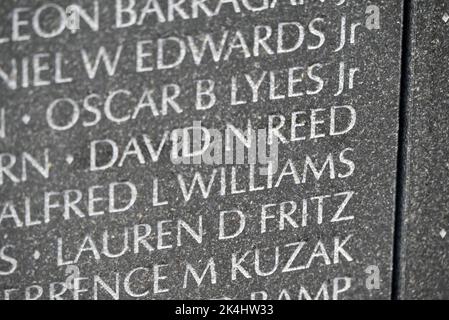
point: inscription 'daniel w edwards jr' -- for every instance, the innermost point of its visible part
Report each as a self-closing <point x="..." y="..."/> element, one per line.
<point x="198" y="149"/>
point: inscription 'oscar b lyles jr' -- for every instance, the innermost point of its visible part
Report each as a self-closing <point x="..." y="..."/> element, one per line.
<point x="197" y="149"/>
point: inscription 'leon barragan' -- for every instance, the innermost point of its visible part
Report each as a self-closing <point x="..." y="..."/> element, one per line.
<point x="109" y="191"/>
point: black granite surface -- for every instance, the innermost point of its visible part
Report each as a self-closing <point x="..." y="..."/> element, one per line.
<point x="425" y="239"/>
<point x="319" y="253"/>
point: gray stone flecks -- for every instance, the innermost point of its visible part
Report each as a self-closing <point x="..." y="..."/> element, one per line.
<point x="320" y="253"/>
<point x="425" y="247"/>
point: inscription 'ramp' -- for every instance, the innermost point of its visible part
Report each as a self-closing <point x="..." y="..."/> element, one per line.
<point x="199" y="150"/>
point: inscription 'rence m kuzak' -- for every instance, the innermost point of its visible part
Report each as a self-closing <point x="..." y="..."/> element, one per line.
<point x="238" y="149"/>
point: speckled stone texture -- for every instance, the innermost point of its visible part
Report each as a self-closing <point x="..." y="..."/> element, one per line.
<point x="373" y="141"/>
<point x="425" y="242"/>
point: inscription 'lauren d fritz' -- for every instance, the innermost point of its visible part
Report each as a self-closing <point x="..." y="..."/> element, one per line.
<point x="102" y="198"/>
